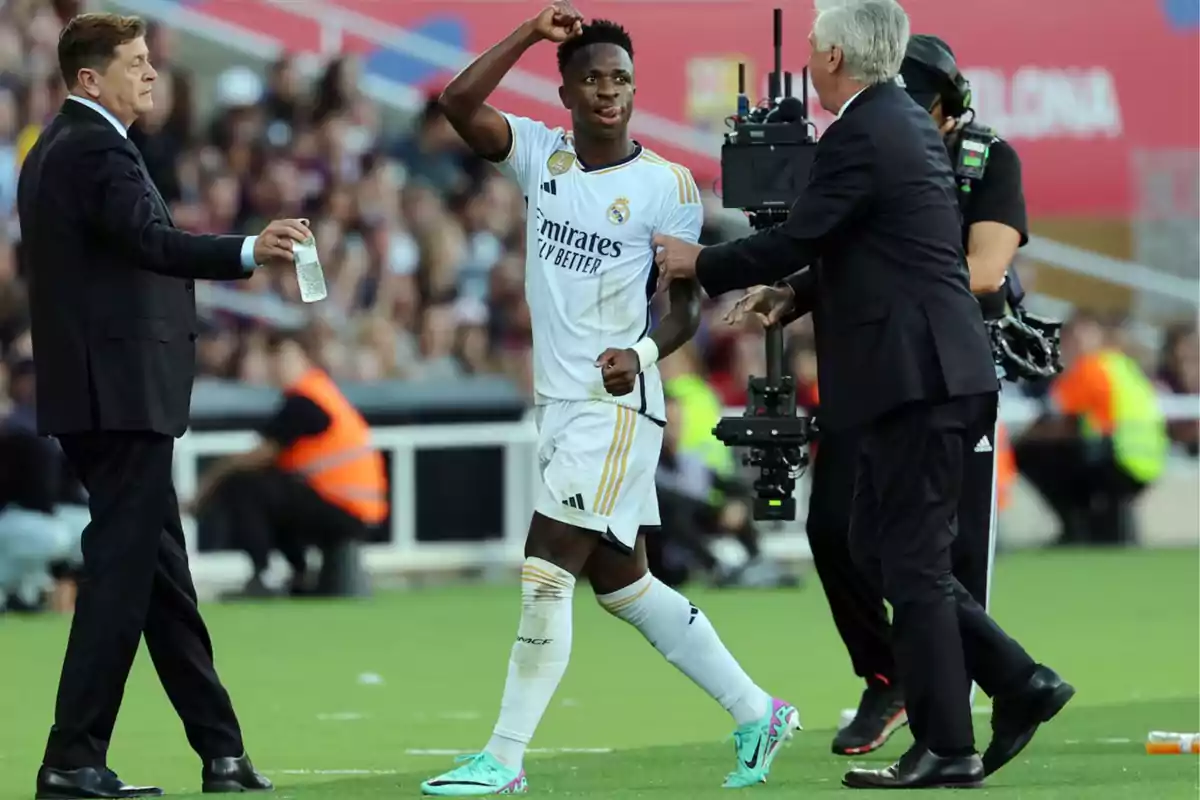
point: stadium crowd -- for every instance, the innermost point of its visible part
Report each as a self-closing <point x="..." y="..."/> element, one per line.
<point x="422" y="243"/>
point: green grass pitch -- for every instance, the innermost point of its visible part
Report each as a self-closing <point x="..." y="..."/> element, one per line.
<point x="346" y="700"/>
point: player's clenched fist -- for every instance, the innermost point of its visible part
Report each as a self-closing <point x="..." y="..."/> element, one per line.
<point x="558" y="22"/>
<point x="620" y="369"/>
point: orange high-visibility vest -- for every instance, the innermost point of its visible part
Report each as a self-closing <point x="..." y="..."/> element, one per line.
<point x="339" y="463"/>
<point x="1006" y="467"/>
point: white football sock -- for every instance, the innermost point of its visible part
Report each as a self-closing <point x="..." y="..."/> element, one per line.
<point x="686" y="638"/>
<point x="538" y="661"/>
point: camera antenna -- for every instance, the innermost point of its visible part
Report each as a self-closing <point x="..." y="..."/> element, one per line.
<point x="774" y="87"/>
<point x="804" y="90"/>
<point x="743" y="101"/>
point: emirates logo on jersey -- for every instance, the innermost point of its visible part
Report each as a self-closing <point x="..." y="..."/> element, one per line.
<point x="618" y="212"/>
<point x="573" y="248"/>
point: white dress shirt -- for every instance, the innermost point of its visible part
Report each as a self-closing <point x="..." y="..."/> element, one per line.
<point x="846" y="104"/>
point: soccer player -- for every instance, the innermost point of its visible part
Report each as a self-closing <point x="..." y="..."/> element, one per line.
<point x="595" y="198"/>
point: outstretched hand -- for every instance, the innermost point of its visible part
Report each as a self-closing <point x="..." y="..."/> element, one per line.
<point x="768" y="304"/>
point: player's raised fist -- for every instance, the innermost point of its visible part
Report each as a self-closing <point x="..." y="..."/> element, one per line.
<point x="558" y="22"/>
<point x="619" y="369"/>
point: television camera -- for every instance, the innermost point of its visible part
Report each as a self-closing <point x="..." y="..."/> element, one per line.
<point x="765" y="161"/>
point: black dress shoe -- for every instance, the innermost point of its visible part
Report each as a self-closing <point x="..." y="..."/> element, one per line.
<point x="66" y="784"/>
<point x="880" y="714"/>
<point x="1017" y="715"/>
<point x="225" y="775"/>
<point x="921" y="769"/>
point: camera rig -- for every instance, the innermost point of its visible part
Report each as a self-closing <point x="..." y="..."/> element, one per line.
<point x="765" y="161"/>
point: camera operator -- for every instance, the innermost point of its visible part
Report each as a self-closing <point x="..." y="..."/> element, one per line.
<point x="993" y="228"/>
<point x="904" y="357"/>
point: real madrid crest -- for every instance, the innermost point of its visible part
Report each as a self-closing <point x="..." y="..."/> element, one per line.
<point x="618" y="212"/>
<point x="560" y="162"/>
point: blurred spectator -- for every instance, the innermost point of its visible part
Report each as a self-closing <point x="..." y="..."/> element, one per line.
<point x="699" y="409"/>
<point x="1179" y="373"/>
<point x="42" y="511"/>
<point x="698" y="506"/>
<point x="434" y="154"/>
<point x="1102" y="441"/>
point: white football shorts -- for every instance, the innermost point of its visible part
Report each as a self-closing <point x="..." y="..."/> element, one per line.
<point x="598" y="462"/>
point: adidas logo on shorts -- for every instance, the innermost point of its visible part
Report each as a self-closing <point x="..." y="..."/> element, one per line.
<point x="575" y="502"/>
<point x="983" y="445"/>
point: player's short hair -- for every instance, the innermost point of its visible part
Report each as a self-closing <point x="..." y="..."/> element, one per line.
<point x="600" y="31"/>
<point x="90" y="41"/>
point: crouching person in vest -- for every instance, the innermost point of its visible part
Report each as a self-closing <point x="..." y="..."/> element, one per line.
<point x="1102" y="441"/>
<point x="312" y="481"/>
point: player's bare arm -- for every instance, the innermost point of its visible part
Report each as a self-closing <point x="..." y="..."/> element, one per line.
<point x="620" y="368"/>
<point x="464" y="100"/>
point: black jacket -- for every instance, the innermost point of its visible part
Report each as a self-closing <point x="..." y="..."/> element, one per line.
<point x="111" y="282"/>
<point x="887" y="284"/>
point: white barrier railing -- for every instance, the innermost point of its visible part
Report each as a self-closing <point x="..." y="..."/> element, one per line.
<point x="405" y="553"/>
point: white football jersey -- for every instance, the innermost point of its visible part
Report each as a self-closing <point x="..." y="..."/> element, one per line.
<point x="589" y="265"/>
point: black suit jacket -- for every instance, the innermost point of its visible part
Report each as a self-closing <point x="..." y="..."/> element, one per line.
<point x="112" y="298"/>
<point x="879" y="225"/>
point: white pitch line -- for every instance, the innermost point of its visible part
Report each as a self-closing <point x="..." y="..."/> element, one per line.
<point x="532" y="750"/>
<point x="332" y="772"/>
<point x="341" y="716"/>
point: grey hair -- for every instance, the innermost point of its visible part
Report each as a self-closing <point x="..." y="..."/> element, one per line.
<point x="872" y="35"/>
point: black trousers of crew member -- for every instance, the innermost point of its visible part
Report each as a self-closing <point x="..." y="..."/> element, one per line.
<point x="856" y="605"/>
<point x="135" y="582"/>
<point x="902" y="528"/>
<point x="268" y="509"/>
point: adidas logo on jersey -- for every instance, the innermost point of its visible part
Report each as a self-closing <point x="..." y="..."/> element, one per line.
<point x="550" y="187"/>
<point x="983" y="445"/>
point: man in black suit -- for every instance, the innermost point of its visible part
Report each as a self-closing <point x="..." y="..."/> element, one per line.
<point x="114" y="330"/>
<point x="903" y="356"/>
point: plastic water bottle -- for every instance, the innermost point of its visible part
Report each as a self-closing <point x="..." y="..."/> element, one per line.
<point x="309" y="274"/>
<point x="1170" y="743"/>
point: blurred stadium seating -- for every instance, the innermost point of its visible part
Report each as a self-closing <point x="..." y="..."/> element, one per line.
<point x="329" y="117"/>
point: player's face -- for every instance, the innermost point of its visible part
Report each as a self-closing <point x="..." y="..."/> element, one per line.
<point x="598" y="90"/>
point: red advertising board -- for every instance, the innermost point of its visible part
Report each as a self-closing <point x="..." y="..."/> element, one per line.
<point x="1080" y="87"/>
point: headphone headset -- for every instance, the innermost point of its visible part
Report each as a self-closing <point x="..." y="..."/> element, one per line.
<point x="933" y="54"/>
